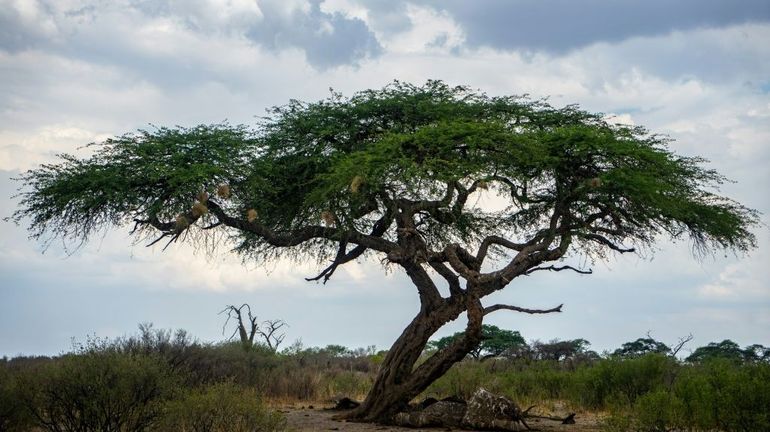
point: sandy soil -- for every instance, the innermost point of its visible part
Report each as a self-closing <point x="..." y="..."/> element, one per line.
<point x="317" y="419"/>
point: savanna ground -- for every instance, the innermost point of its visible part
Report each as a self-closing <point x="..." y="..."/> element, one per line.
<point x="301" y="418"/>
<point x="164" y="381"/>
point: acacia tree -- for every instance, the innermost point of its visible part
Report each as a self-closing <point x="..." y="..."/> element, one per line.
<point x="391" y="173"/>
<point x="494" y="342"/>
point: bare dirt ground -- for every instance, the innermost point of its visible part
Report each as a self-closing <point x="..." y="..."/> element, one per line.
<point x="317" y="419"/>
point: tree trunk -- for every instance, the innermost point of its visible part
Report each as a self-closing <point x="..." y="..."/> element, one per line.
<point x="398" y="380"/>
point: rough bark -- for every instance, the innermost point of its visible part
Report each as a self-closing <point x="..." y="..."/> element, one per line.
<point x="398" y="380"/>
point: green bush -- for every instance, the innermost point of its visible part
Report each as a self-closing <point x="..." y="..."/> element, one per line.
<point x="621" y="381"/>
<point x="96" y="391"/>
<point x="13" y="414"/>
<point x="223" y="407"/>
<point x="658" y="411"/>
<point x="721" y="394"/>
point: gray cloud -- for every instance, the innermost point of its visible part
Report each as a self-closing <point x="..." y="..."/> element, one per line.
<point x="93" y="32"/>
<point x="20" y="30"/>
<point x="562" y="25"/>
<point x="327" y="39"/>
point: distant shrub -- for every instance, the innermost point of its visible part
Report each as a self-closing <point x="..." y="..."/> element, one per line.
<point x="621" y="381"/>
<point x="13" y="414"/>
<point x="720" y="394"/>
<point x="96" y="391"/>
<point x="223" y="407"/>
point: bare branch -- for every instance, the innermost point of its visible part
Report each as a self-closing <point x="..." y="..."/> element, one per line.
<point x="173" y="240"/>
<point x="461" y="261"/>
<point x="487" y="242"/>
<point x="162" y="236"/>
<point x="452" y="279"/>
<point x="269" y="333"/>
<point x="497" y="307"/>
<point x="378" y="230"/>
<point x="246" y="336"/>
<point x="339" y="259"/>
<point x="682" y="342"/>
<point x="559" y="268"/>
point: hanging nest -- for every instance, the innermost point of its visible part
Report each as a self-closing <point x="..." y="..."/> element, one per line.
<point x="355" y="185"/>
<point x="251" y="215"/>
<point x="203" y="196"/>
<point x="328" y="218"/>
<point x="181" y="222"/>
<point x="223" y="191"/>
<point x="199" y="209"/>
<point x="595" y="182"/>
<point x="483" y="185"/>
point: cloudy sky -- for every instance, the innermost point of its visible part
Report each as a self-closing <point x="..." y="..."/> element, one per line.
<point x="77" y="71"/>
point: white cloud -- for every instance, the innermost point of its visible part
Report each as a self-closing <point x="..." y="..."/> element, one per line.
<point x="745" y="281"/>
<point x="23" y="151"/>
<point x="431" y="31"/>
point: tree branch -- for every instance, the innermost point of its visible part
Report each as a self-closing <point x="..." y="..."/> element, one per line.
<point x="606" y="242"/>
<point x="341" y="258"/>
<point x="379" y="228"/>
<point x="489" y="241"/>
<point x="427" y="290"/>
<point x="452" y="279"/>
<point x="680" y="344"/>
<point x="272" y="326"/>
<point x="454" y="255"/>
<point x="558" y="268"/>
<point x="497" y="307"/>
<point x="301" y="235"/>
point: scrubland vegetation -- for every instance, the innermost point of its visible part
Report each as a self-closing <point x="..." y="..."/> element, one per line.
<point x="160" y="380"/>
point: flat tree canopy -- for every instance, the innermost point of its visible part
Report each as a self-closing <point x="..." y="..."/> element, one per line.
<point x="391" y="172"/>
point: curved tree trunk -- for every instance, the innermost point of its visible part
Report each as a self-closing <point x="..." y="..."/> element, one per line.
<point x="398" y="380"/>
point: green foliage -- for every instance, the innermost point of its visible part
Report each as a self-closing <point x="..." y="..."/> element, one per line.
<point x="560" y="350"/>
<point x="219" y="408"/>
<point x="614" y="381"/>
<point x="494" y="342"/>
<point x="728" y="349"/>
<point x="722" y="394"/>
<point x="641" y="347"/>
<point x="172" y="382"/>
<point x="97" y="391"/>
<point x="336" y="350"/>
<point x="402" y="142"/>
<point x="656" y="411"/>
<point x="14" y="415"/>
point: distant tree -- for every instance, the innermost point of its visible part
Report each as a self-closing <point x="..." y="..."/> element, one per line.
<point x="640" y="347"/>
<point x="497" y="342"/>
<point x="336" y="350"/>
<point x="757" y="352"/>
<point x="494" y="342"/>
<point x="395" y="173"/>
<point x="247" y="327"/>
<point x="730" y="350"/>
<point x="559" y="350"/>
<point x="270" y="330"/>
